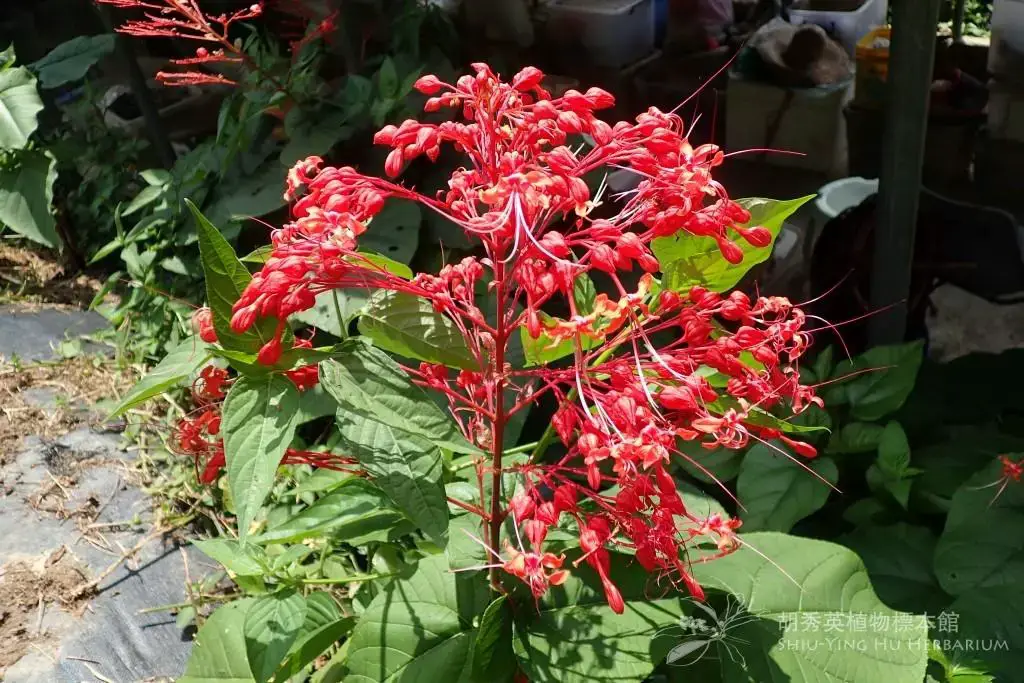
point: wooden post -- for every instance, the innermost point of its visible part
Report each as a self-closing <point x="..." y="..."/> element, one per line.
<point x="959" y="10"/>
<point x="912" y="57"/>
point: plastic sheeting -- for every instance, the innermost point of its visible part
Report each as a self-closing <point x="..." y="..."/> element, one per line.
<point x="117" y="641"/>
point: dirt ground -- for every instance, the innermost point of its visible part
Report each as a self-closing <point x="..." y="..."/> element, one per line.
<point x="27" y="589"/>
<point x="74" y="383"/>
<point x="31" y="280"/>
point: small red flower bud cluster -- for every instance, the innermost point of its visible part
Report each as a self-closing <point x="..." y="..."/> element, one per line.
<point x="198" y="433"/>
<point x="626" y="401"/>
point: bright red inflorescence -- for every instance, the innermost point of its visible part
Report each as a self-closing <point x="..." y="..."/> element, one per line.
<point x="523" y="194"/>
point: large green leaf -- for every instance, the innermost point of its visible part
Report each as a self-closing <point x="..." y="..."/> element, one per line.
<point x="324" y="626"/>
<point x="899" y="560"/>
<point x="420" y="629"/>
<point x="238" y="559"/>
<point x="176" y="367"/>
<point x="409" y="326"/>
<point x="776" y="492"/>
<point x="818" y="617"/>
<point x="258" y="424"/>
<point x="26" y="194"/>
<point x="226" y="279"/>
<point x="688" y="261"/>
<point x="984" y="625"/>
<point x="271" y="625"/>
<point x="982" y="545"/>
<point x="493" y="658"/>
<point x="366" y="382"/>
<point x="71" y="60"/>
<point x="394" y="232"/>
<point x="408" y="468"/>
<point x="356" y="512"/>
<point x="880" y="380"/>
<point x="218" y="655"/>
<point x="855" y="437"/>
<point x="575" y="637"/>
<point x="19" y="105"/>
<point x="251" y="196"/>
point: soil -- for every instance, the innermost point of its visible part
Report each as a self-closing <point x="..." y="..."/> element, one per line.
<point x="74" y="384"/>
<point x="31" y="280"/>
<point x="28" y="588"/>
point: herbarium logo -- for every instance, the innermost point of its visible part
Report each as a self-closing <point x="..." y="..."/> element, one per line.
<point x="707" y="630"/>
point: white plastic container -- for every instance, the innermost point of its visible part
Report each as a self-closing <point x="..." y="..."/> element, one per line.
<point x="615" y="33"/>
<point x="1006" y="54"/>
<point x="845" y="25"/>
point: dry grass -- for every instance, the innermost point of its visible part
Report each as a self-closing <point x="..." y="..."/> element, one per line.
<point x="75" y="383"/>
<point x="31" y="280"/>
<point x="27" y="589"/>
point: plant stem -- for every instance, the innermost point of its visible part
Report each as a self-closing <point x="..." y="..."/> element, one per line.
<point x="355" y="578"/>
<point x="337" y="312"/>
<point x="498" y="432"/>
<point x="522" y="448"/>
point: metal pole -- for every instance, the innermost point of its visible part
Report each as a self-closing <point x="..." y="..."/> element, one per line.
<point x="912" y="55"/>
<point x="137" y="80"/>
<point x="959" y="9"/>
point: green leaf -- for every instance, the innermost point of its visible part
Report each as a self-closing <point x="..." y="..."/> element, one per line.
<point x="544" y="350"/>
<point x="710" y="467"/>
<point x="984" y="628"/>
<point x="367" y="383"/>
<point x="19" y="106"/>
<point x="250" y="196"/>
<point x="389" y="264"/>
<point x="144" y="198"/>
<point x="982" y="545"/>
<point x="226" y="279"/>
<point x="271" y="625"/>
<point x="408" y="468"/>
<point x="887" y="375"/>
<point x="156" y="176"/>
<point x="892" y="470"/>
<point x="238" y="559"/>
<point x="26" y="196"/>
<point x="493" y="658"/>
<point x="218" y="655"/>
<point x="176" y="367"/>
<point x="856" y="437"/>
<point x="894" y="450"/>
<point x="409" y="326"/>
<point x="356" y="511"/>
<point x="323" y="627"/>
<point x="387" y="79"/>
<point x="316" y="138"/>
<point x="71" y="60"/>
<point x="899" y="561"/>
<point x="258" y="423"/>
<point x="583" y="294"/>
<point x="688" y="261"/>
<point x="811" y="599"/>
<point x="324" y="314"/>
<point x="776" y="491"/>
<point x="394" y="232"/>
<point x="575" y="637"/>
<point x="420" y="629"/>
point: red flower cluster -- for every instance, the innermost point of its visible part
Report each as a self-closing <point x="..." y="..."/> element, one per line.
<point x="198" y="433"/>
<point x="523" y="193"/>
